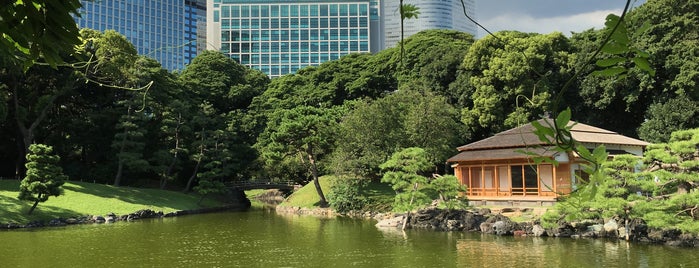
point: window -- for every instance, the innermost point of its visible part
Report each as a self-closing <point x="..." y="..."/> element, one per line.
<point x="504" y="178"/>
<point x="516" y="179"/>
<point x="531" y="180"/>
<point x="546" y="176"/>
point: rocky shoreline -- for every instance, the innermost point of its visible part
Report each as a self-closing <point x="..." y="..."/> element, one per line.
<point x="112" y="218"/>
<point x="488" y="222"/>
<point x="484" y="221"/>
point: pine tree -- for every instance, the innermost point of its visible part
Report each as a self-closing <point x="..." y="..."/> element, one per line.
<point x="44" y="177"/>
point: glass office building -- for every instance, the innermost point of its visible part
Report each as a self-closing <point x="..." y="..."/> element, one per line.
<point x="283" y="36"/>
<point x="166" y="30"/>
<point x="443" y="14"/>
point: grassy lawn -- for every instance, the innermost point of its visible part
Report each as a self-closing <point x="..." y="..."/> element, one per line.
<point x="82" y="198"/>
<point x="307" y="197"/>
<point x="379" y="195"/>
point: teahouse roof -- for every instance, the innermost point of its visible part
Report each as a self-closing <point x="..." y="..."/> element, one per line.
<point x="503" y="145"/>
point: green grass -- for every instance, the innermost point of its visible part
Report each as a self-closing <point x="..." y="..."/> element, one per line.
<point x="379" y="195"/>
<point x="307" y="197"/>
<point x="253" y="193"/>
<point x="81" y="198"/>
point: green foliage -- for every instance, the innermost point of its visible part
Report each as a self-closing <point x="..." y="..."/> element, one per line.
<point x="373" y="130"/>
<point x="664" y="195"/>
<point x="404" y="170"/>
<point x="345" y="194"/>
<point x="512" y="78"/>
<point x="449" y="189"/>
<point x="208" y="187"/>
<point x="44" y="175"/>
<point x="38" y="29"/>
<point x="621" y="51"/>
<point x="667" y="117"/>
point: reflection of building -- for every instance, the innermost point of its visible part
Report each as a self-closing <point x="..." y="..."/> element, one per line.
<point x="165" y="30"/>
<point x="443" y="14"/>
<point x="195" y="28"/>
<point x="495" y="170"/>
<point x="281" y="36"/>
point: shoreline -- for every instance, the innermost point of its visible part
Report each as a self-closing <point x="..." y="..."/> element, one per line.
<point x="112" y="218"/>
<point x="485" y="221"/>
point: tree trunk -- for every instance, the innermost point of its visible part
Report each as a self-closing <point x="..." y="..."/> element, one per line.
<point x="34" y="206"/>
<point x="412" y="197"/>
<point x="194" y="175"/>
<point x="170" y="168"/>
<point x="196" y="168"/>
<point x="120" y="166"/>
<point x="314" y="172"/>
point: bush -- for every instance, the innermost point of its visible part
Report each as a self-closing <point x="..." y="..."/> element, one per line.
<point x="345" y="195"/>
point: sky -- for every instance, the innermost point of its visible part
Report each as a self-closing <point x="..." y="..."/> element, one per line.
<point x="545" y="16"/>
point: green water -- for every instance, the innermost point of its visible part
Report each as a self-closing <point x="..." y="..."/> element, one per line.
<point x="260" y="238"/>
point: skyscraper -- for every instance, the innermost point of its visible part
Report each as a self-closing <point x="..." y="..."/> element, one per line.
<point x="165" y="30"/>
<point x="442" y="14"/>
<point x="280" y="37"/>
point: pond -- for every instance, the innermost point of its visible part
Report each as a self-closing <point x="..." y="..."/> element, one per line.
<point x="261" y="238"/>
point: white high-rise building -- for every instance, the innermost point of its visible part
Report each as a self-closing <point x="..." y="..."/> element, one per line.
<point x="434" y="14"/>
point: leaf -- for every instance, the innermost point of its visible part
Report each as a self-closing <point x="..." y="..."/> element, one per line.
<point x="563" y="119"/>
<point x="615" y="48"/>
<point x="609" y="72"/>
<point x="610" y="61"/>
<point x="643" y="64"/>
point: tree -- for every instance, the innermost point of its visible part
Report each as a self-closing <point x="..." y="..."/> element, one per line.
<point x="128" y="141"/>
<point x="44" y="176"/>
<point x="449" y="188"/>
<point x="513" y="78"/>
<point x="664" y="30"/>
<point x="303" y="131"/>
<point x="404" y="172"/>
<point x="373" y="130"/>
<point x="407" y="11"/>
<point x="664" y="118"/>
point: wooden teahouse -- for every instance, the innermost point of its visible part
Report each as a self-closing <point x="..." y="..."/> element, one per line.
<point x="495" y="171"/>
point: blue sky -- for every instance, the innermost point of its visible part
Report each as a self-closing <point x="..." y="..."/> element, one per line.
<point x="545" y="16"/>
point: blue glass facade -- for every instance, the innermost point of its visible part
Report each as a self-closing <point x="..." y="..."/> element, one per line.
<point x="161" y="29"/>
<point x="281" y="37"/>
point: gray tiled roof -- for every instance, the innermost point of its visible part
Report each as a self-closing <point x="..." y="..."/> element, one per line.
<point x="503" y="145"/>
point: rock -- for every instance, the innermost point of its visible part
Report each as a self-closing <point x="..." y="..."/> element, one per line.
<point x="13" y="225"/>
<point x="611" y="228"/>
<point x="56" y="222"/>
<point x="563" y="230"/>
<point x="396" y="222"/>
<point x="471" y="221"/>
<point x="98" y="219"/>
<point x="453" y="225"/>
<point x="483" y="211"/>
<point x="502" y="227"/>
<point x="621" y="231"/>
<point x="537" y="230"/>
<point x="486" y="228"/>
<point x="72" y="221"/>
<point x="170" y="214"/>
<point x="519" y="233"/>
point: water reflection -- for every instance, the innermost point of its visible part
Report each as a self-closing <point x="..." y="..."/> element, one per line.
<point x="261" y="238"/>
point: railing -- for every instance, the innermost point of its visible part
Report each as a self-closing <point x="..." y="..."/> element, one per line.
<point x="249" y="185"/>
